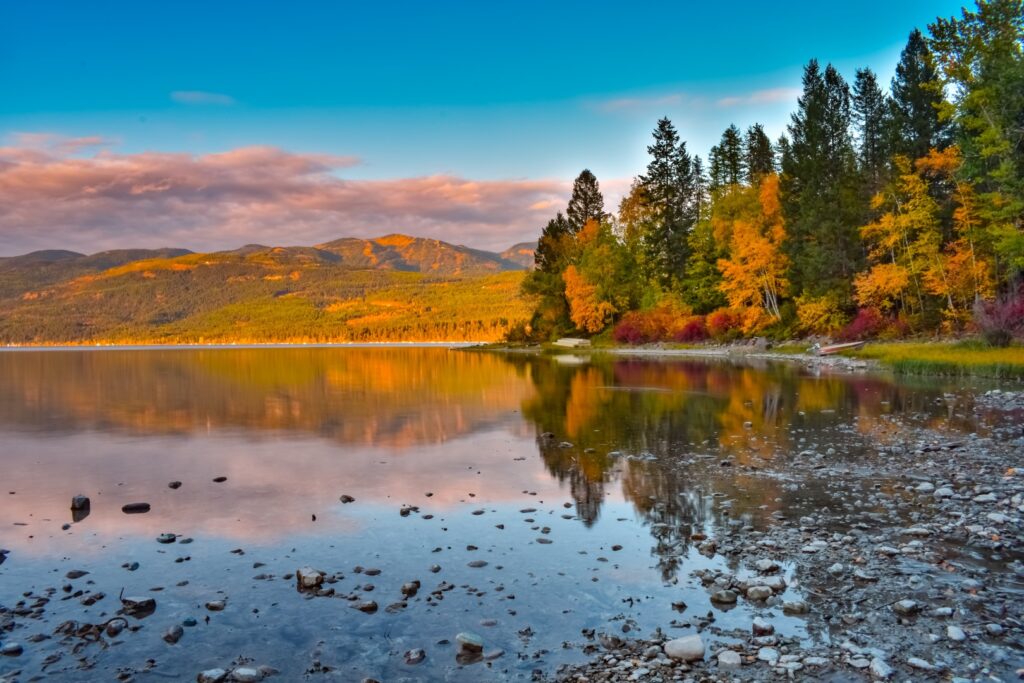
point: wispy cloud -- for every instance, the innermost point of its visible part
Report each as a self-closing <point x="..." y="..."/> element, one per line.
<point x="202" y="97"/>
<point x="768" y="96"/>
<point x="49" y="199"/>
<point x="55" y="143"/>
<point x="641" y="102"/>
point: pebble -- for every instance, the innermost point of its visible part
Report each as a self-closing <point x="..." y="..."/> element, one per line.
<point x="880" y="669"/>
<point x="728" y="659"/>
<point x="906" y="607"/>
<point x="795" y="607"/>
<point x="166" y="538"/>
<point x="724" y="597"/>
<point x="415" y="656"/>
<point x="759" y="593"/>
<point x="347" y="499"/>
<point x="955" y="633"/>
<point x="762" y="627"/>
<point x="135" y="508"/>
<point x="79" y="502"/>
<point x="174" y="634"/>
<point x="686" y="649"/>
<point x="469" y="642"/>
<point x="212" y="676"/>
<point x="245" y="674"/>
<point x="216" y="605"/>
<point x="11" y="650"/>
<point x="768" y="654"/>
<point x="918" y="663"/>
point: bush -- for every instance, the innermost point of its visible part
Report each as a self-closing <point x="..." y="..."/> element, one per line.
<point x="1001" y="320"/>
<point x="630" y="329"/>
<point x="869" y="323"/>
<point x="724" y="324"/>
<point x="692" y="329"/>
<point x="664" y="323"/>
<point x="823" y="315"/>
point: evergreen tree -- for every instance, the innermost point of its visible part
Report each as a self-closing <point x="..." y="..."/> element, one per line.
<point x="871" y="118"/>
<point x="820" y="188"/>
<point x="701" y="195"/>
<point x="917" y="98"/>
<point x="731" y="157"/>
<point x="759" y="158"/>
<point x="670" y="189"/>
<point x="551" y="256"/>
<point x="586" y="202"/>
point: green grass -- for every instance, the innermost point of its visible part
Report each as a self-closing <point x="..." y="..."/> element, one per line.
<point x="954" y="359"/>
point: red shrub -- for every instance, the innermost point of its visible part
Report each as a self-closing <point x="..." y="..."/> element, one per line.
<point x="691" y="329"/>
<point x="1001" y="320"/>
<point x="724" y="324"/>
<point x="630" y="330"/>
<point x="868" y="323"/>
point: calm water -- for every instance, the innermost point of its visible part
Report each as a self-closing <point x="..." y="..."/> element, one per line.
<point x="458" y="434"/>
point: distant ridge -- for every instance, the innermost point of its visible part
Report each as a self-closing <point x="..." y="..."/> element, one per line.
<point x="395" y="287"/>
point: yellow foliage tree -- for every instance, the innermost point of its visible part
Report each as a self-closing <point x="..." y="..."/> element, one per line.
<point x="753" y="275"/>
<point x="587" y="310"/>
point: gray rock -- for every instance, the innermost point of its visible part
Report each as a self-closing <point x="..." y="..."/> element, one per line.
<point x="768" y="654"/>
<point x="918" y="663"/>
<point x="166" y="538"/>
<point x="795" y="607"/>
<point x="80" y="502"/>
<point x="724" y="597"/>
<point x="11" y="649"/>
<point x="415" y="656"/>
<point x="245" y="674"/>
<point x="729" y="659"/>
<point x="879" y="669"/>
<point x="685" y="649"/>
<point x="955" y="633"/>
<point x="906" y="607"/>
<point x="762" y="627"/>
<point x="216" y="605"/>
<point x="759" y="593"/>
<point x="212" y="676"/>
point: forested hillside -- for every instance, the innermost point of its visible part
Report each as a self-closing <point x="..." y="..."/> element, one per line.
<point x="879" y="212"/>
<point x="395" y="288"/>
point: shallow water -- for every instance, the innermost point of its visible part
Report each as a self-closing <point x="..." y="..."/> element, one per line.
<point x="591" y="451"/>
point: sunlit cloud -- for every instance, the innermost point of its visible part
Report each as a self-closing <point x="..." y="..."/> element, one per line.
<point x="58" y="144"/>
<point x="201" y="97"/>
<point x="51" y="199"/>
<point x="769" y="96"/>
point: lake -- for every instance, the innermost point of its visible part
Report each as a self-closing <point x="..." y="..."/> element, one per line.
<point x="537" y="501"/>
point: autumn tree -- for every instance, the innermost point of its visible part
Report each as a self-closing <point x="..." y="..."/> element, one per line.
<point x="754" y="272"/>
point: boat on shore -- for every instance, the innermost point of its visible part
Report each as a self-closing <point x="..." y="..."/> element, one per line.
<point x="835" y="348"/>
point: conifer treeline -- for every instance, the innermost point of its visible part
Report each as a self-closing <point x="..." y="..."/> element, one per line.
<point x="875" y="213"/>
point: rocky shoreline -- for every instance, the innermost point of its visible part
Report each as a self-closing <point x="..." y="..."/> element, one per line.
<point x="914" y="572"/>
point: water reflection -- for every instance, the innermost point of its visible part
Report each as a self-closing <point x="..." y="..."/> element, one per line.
<point x="600" y="453"/>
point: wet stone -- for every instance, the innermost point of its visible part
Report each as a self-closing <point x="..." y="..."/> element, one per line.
<point x="174" y="634"/>
<point x="469" y="642"/>
<point x="724" y="597"/>
<point x="245" y="674"/>
<point x="135" y="508"/>
<point x="415" y="656"/>
<point x="729" y="659"/>
<point x="212" y="676"/>
<point x="685" y="649"/>
<point x="11" y="650"/>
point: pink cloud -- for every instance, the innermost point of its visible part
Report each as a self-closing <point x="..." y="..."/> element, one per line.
<point x="769" y="96"/>
<point x="50" y="199"/>
<point x="201" y="97"/>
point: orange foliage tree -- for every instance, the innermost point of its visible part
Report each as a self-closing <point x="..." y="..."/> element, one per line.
<point x="754" y="272"/>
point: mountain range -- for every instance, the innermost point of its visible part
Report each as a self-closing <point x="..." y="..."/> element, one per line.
<point x="394" y="287"/>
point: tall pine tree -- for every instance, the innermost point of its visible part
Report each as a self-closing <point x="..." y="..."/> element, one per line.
<point x="758" y="155"/>
<point x="821" y="197"/>
<point x="670" y="188"/>
<point x="917" y="98"/>
<point x="871" y="111"/>
<point x="586" y="202"/>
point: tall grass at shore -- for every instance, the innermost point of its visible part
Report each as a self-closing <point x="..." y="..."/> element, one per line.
<point x="970" y="358"/>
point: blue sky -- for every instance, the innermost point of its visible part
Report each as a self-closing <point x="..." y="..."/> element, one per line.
<point x="481" y="91"/>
